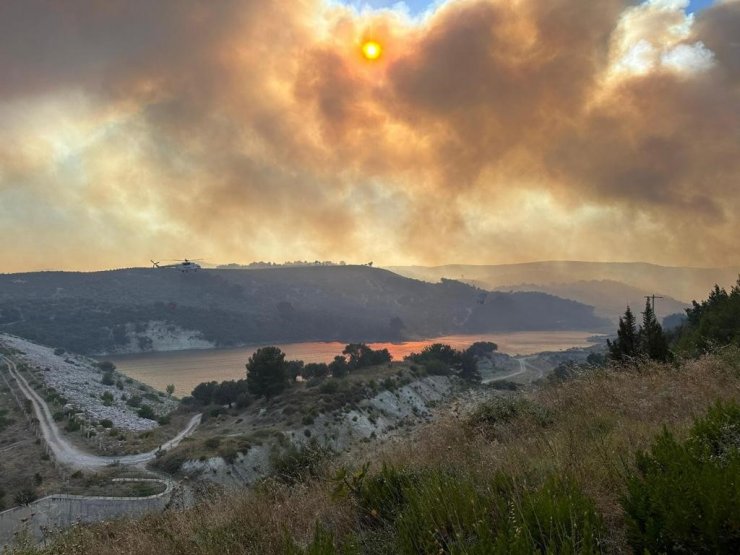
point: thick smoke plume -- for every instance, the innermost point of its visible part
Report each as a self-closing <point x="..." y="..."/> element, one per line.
<point x="489" y="131"/>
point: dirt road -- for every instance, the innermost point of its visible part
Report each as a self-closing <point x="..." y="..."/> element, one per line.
<point x="72" y="456"/>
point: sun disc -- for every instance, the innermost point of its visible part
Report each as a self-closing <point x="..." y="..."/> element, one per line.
<point x="372" y="50"/>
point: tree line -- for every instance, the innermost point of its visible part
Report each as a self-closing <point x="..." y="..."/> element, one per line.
<point x="714" y="322"/>
<point x="269" y="373"/>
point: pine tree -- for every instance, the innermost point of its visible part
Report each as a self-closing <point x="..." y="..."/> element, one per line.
<point x="627" y="344"/>
<point x="267" y="373"/>
<point x="652" y="341"/>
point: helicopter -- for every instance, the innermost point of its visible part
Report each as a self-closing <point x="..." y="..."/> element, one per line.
<point x="182" y="265"/>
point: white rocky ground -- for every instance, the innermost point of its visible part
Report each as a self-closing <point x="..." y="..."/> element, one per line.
<point x="161" y="336"/>
<point x="379" y="417"/>
<point x="78" y="379"/>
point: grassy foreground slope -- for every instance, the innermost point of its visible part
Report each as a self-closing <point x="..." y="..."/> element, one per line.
<point x="546" y="470"/>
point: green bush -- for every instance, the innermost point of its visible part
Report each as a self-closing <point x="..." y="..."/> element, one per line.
<point x="134" y="401"/>
<point x="685" y="497"/>
<point x="108" y="379"/>
<point x="437" y="511"/>
<point x="296" y="464"/>
<point x="107" y="398"/>
<point x="145" y="411"/>
<point x="106" y="423"/>
<point x="505" y="409"/>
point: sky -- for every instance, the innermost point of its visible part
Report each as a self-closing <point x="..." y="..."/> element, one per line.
<point x="488" y="131"/>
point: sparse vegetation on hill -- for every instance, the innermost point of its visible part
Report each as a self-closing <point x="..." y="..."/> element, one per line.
<point x="108" y="311"/>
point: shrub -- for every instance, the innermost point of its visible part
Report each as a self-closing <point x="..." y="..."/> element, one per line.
<point x="25" y="496"/>
<point x="107" y="398"/>
<point x="329" y="387"/>
<point x="72" y="426"/>
<point x="502" y="410"/>
<point x="134" y="401"/>
<point x="145" y="411"/>
<point x="108" y="379"/>
<point x="171" y="461"/>
<point x="436" y="511"/>
<point x="164" y="420"/>
<point x="212" y="442"/>
<point x="686" y="496"/>
<point x="59" y="351"/>
<point x="106" y="423"/>
<point x="296" y="464"/>
<point x="58" y="416"/>
<point x="106" y="366"/>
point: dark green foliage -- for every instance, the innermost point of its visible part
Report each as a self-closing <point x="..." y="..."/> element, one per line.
<point x="145" y="411"/>
<point x="295" y="464"/>
<point x="685" y="497"/>
<point x="204" y="392"/>
<point x="482" y="348"/>
<point x="108" y="379"/>
<point x="57" y="416"/>
<point x="106" y="366"/>
<point x="134" y="401"/>
<point x="72" y="426"/>
<point x="652" y="341"/>
<point x="106" y="423"/>
<point x="329" y="387"/>
<point x="506" y="409"/>
<point x="339" y="367"/>
<point x="107" y="398"/>
<point x="212" y="442"/>
<point x="504" y="385"/>
<point x="436" y="511"/>
<point x="361" y="356"/>
<point x="25" y="496"/>
<point x="647" y="341"/>
<point x="442" y="360"/>
<point x="267" y="373"/>
<point x="627" y="345"/>
<point x="294" y="369"/>
<point x="715" y="321"/>
<point x="225" y="393"/>
<point x="315" y="370"/>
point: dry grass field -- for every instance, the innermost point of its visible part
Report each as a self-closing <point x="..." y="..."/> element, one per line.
<point x="586" y="429"/>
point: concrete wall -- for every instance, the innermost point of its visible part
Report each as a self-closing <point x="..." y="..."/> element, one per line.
<point x="57" y="512"/>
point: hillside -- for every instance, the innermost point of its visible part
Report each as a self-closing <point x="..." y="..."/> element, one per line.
<point x="554" y="469"/>
<point x="681" y="283"/>
<point x="115" y="310"/>
<point x="609" y="298"/>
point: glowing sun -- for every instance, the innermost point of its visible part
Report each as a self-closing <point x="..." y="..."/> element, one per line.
<point x="371" y="50"/>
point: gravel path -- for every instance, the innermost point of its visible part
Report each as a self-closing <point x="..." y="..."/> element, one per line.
<point x="68" y="454"/>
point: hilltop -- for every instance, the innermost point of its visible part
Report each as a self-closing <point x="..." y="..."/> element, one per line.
<point x="137" y="309"/>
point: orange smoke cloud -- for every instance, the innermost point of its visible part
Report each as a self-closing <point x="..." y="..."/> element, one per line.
<point x="490" y="131"/>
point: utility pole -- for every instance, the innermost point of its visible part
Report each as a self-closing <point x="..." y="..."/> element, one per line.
<point x="653" y="297"/>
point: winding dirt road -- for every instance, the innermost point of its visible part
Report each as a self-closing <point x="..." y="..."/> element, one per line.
<point x="524" y="366"/>
<point x="68" y="454"/>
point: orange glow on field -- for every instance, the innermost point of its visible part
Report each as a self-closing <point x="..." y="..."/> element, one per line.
<point x="371" y="50"/>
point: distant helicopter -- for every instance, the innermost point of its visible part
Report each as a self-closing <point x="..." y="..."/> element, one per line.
<point x="182" y="265"/>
